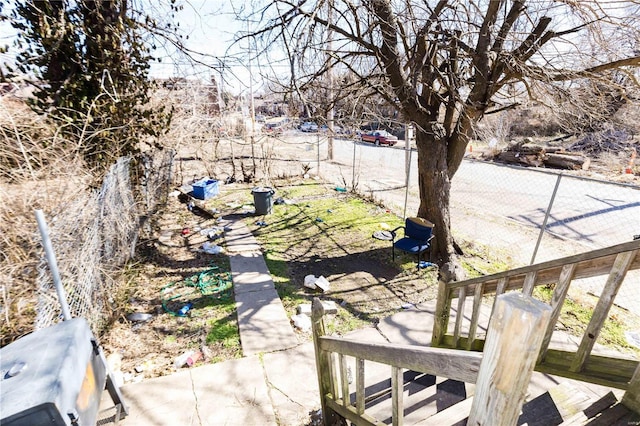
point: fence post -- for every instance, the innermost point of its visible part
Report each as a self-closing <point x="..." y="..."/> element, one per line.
<point x="546" y="218"/>
<point x="53" y="264"/>
<point x="318" y="143"/>
<point x="353" y="169"/>
<point x="323" y="369"/>
<point x="513" y="341"/>
<point x="406" y="190"/>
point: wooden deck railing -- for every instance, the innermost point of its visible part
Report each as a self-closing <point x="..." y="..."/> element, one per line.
<point x="522" y="322"/>
<point x="579" y="364"/>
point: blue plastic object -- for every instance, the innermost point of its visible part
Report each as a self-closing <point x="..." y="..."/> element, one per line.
<point x="183" y="311"/>
<point x="205" y="189"/>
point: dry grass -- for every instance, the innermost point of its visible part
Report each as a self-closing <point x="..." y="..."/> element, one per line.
<point x="38" y="171"/>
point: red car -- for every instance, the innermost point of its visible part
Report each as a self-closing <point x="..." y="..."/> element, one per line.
<point x="379" y="137"/>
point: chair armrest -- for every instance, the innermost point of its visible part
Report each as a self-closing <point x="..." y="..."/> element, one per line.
<point x="393" y="231"/>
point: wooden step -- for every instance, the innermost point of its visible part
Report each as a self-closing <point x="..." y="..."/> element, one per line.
<point x="553" y="406"/>
<point x="453" y="416"/>
<point x="424" y="396"/>
<point x="616" y="415"/>
<point x="592" y="410"/>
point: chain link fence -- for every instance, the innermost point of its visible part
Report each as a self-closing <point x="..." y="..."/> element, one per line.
<point x="527" y="215"/>
<point x="95" y="234"/>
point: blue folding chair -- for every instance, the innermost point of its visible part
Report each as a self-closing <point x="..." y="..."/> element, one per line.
<point x="418" y="233"/>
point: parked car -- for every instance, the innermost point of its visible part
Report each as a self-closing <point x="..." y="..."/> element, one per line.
<point x="309" y="126"/>
<point x="379" y="137"/>
<point x="275" y="128"/>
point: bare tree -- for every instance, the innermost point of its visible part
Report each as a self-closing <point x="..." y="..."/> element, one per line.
<point x="445" y="64"/>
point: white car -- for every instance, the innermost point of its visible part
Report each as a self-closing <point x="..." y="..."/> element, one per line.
<point x="309" y="126"/>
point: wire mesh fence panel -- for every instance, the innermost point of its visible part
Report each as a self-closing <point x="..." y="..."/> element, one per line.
<point x="75" y="236"/>
<point x="93" y="236"/>
<point x="596" y="213"/>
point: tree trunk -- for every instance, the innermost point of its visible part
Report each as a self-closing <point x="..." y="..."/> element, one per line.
<point x="435" y="189"/>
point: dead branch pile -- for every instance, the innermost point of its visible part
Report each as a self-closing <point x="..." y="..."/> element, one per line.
<point x="607" y="141"/>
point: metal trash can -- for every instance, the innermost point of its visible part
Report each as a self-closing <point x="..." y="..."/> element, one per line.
<point x="263" y="200"/>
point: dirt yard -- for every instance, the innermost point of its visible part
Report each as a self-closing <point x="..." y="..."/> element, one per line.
<point x="365" y="282"/>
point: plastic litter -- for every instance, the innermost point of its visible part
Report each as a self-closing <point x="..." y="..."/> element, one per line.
<point x="139" y="317"/>
<point x="261" y="223"/>
<point x="341" y="189"/>
<point x="322" y="283"/>
<point x="209" y="283"/>
<point x="329" y="306"/>
<point x="407" y="305"/>
<point x="213" y="233"/>
<point x="383" y="235"/>
<point x="310" y="281"/>
<point x="184" y="310"/>
<point x="424" y="264"/>
<point x="301" y="322"/>
<point x="633" y="338"/>
<point x="319" y="219"/>
<point x="181" y="361"/>
<point x="193" y="358"/>
<point x="211" y="248"/>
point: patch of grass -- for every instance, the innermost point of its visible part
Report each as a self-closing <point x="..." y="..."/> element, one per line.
<point x="224" y="331"/>
<point x="321" y="231"/>
<point x="480" y="260"/>
<point x="575" y="317"/>
<point x="344" y="322"/>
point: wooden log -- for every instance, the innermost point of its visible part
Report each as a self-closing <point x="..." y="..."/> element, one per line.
<point x="567" y="161"/>
<point x="462" y="297"/>
<point x="531" y="148"/>
<point x="360" y="386"/>
<point x="451" y="363"/>
<point x="323" y="368"/>
<point x="513" y="341"/>
<point x="344" y="380"/>
<point x="518" y="158"/>
<point x="397" y="391"/>
<point x="475" y="315"/>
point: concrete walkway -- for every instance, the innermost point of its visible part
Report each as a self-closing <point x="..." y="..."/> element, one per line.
<point x="262" y="320"/>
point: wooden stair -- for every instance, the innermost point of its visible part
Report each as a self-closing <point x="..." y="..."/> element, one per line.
<point x="606" y="411"/>
<point x="498" y="359"/>
<point x="435" y="401"/>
